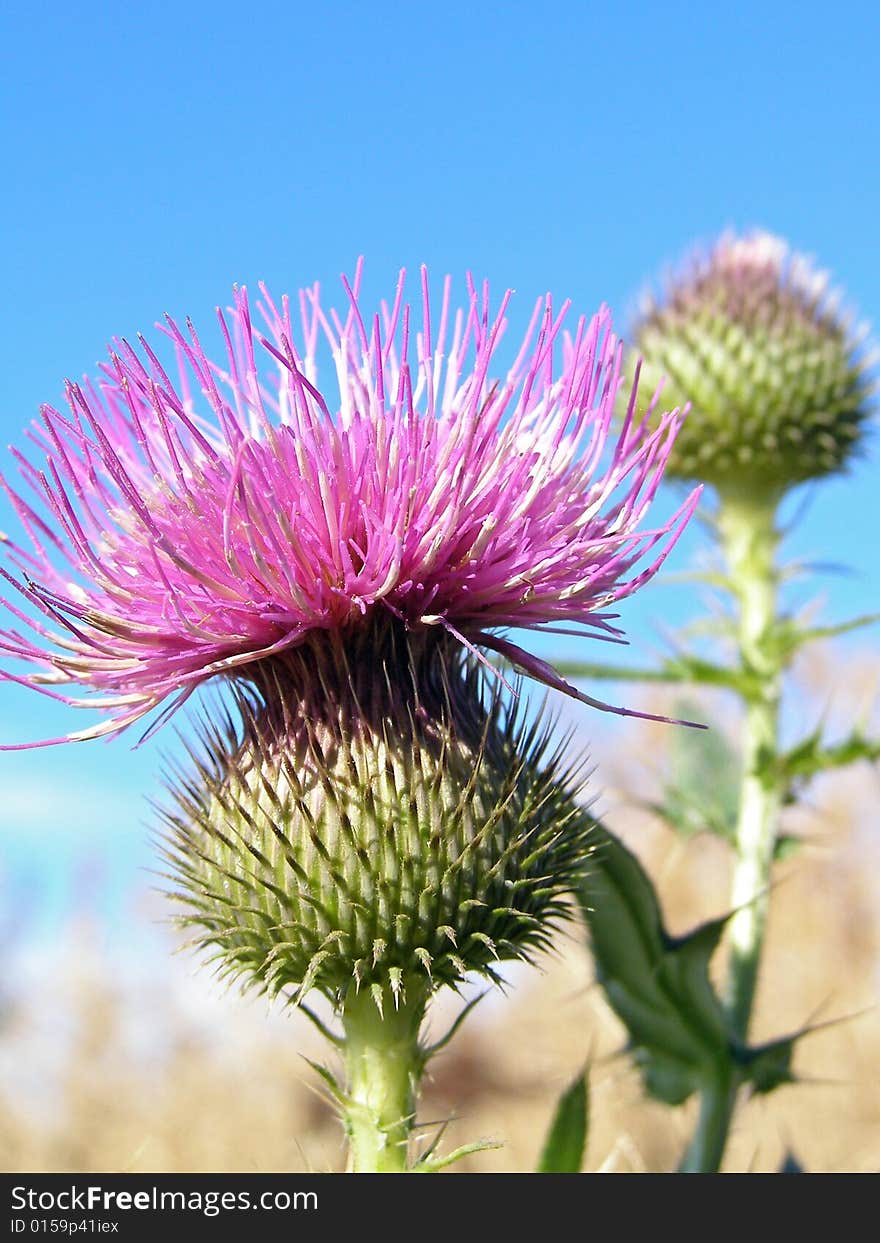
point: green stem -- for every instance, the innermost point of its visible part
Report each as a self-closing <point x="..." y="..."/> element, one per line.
<point x="717" y="1101"/>
<point x="749" y="536"/>
<point x="746" y="524"/>
<point x="384" y="1064"/>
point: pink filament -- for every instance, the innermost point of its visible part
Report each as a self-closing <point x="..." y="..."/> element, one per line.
<point x="171" y="543"/>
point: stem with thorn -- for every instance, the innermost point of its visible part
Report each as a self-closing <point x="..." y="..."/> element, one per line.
<point x="384" y="1063"/>
<point x="747" y="530"/>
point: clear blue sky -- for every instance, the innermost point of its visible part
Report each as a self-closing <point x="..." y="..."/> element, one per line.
<point x="156" y="153"/>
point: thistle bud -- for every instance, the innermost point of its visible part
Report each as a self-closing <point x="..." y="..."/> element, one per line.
<point x="751" y="337"/>
<point x="380" y="820"/>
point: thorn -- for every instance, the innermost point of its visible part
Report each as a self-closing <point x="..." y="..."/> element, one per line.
<point x="425" y="959"/>
<point x="431" y="1049"/>
<point x="395" y="976"/>
<point x="322" y="1027"/>
<point x="378" y="999"/>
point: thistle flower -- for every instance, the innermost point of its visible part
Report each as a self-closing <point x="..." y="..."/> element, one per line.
<point x="373" y="817"/>
<point x="750" y="336"/>
<point x="175" y="537"/>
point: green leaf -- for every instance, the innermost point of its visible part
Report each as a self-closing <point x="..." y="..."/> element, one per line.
<point x="681" y="669"/>
<point x="796" y="767"/>
<point x="658" y="985"/>
<point x="789" y="637"/>
<point x="613" y="673"/>
<point x="566" y="1141"/>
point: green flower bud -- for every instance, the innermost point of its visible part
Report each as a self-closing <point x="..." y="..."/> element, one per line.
<point x="750" y="336"/>
<point x="381" y="819"/>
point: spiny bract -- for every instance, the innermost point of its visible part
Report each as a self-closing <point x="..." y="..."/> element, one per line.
<point x="751" y="337"/>
<point x="380" y="818"/>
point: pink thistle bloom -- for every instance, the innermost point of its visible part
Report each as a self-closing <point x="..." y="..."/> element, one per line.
<point x="174" y="538"/>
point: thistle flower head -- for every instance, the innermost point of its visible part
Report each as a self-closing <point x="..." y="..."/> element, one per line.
<point x="182" y="530"/>
<point x="750" y="335"/>
<point x="381" y="821"/>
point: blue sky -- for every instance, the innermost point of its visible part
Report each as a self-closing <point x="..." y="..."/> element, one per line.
<point x="155" y="154"/>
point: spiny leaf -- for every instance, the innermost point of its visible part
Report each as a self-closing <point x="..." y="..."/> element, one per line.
<point x="789" y="637"/>
<point x="768" y="1066"/>
<point x="809" y="757"/>
<point x="658" y="985"/>
<point x="680" y="669"/>
<point x="563" y="1151"/>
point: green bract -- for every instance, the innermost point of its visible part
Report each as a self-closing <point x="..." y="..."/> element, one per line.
<point x="750" y="337"/>
<point x="381" y="817"/>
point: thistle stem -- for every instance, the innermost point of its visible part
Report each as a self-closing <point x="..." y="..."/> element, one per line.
<point x="749" y="537"/>
<point x="717" y="1101"/>
<point x="384" y="1063"/>
<point x="746" y="525"/>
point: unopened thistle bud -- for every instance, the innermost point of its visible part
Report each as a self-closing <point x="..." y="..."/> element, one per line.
<point x="379" y="822"/>
<point x="751" y="337"/>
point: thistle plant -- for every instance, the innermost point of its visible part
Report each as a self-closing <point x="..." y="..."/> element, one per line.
<point x="750" y="335"/>
<point x="369" y="813"/>
<point x="779" y="393"/>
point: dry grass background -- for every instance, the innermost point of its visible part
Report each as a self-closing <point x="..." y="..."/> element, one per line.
<point x="163" y="1072"/>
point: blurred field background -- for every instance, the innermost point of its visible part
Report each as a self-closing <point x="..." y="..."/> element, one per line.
<point x="113" y="1058"/>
